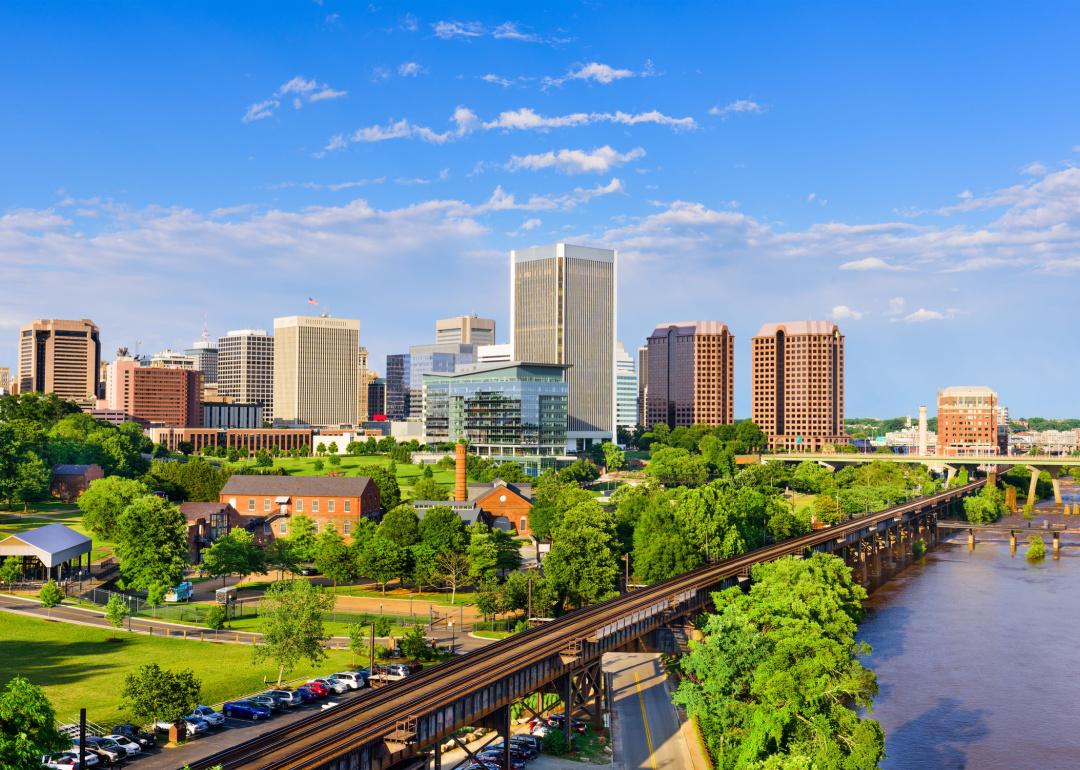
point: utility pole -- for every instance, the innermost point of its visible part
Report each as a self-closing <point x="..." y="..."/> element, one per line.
<point x="528" y="612"/>
<point x="371" y="656"/>
<point x="82" y="739"/>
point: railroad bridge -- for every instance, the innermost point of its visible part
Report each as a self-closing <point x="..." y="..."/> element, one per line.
<point x="395" y="727"/>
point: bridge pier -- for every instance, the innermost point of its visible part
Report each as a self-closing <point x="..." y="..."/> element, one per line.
<point x="1012" y="542"/>
<point x="1032" y="497"/>
<point x="1057" y="545"/>
<point x="971" y="539"/>
<point x="1057" y="491"/>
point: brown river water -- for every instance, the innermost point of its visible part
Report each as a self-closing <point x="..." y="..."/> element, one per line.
<point x="977" y="655"/>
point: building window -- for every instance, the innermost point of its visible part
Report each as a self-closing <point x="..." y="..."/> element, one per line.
<point x="232" y="501"/>
<point x="300" y="505"/>
<point x="282" y="528"/>
<point x="251" y="503"/>
<point x="348" y="506"/>
<point x="266" y="505"/>
<point x="523" y="524"/>
<point x="330" y="505"/>
<point x="314" y="506"/>
<point x="347" y="526"/>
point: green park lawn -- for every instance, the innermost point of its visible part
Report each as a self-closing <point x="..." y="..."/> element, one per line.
<point x="79" y="667"/>
<point x="357" y="466"/>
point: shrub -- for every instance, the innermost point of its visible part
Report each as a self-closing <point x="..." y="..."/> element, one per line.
<point x="1036" y="550"/>
<point x="50" y="594"/>
<point x="918" y="548"/>
<point x="216" y="617"/>
<point x="555" y="743"/>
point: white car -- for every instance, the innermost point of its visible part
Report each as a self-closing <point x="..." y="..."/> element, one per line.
<point x="67" y="760"/>
<point x="129" y="745"/>
<point x="194" y="726"/>
<point x="336" y="685"/>
<point x="393" y="672"/>
<point x="353" y="679"/>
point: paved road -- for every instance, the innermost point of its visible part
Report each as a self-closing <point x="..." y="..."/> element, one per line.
<point x="646" y="733"/>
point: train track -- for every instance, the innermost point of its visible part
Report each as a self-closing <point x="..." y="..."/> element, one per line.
<point x="324" y="736"/>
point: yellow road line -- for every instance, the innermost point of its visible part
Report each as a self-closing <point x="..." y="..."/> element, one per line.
<point x="645" y="720"/>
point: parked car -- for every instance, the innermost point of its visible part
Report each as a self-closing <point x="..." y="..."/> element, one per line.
<point x="66" y="760"/>
<point x="245" y="709"/>
<point x="287" y="698"/>
<point x="208" y="715"/>
<point x="266" y="700"/>
<point x="308" y="570"/>
<point x="181" y="593"/>
<point x="333" y="685"/>
<point x="354" y="679"/>
<point x="320" y="689"/>
<point x="393" y="672"/>
<point x="193" y="726"/>
<point x="530" y="745"/>
<point x="496" y="758"/>
<point x="556" y="720"/>
<point x="133" y="733"/>
<point x="518" y="750"/>
<point x="106" y="750"/>
<point x="131" y="747"/>
<point x="307" y="694"/>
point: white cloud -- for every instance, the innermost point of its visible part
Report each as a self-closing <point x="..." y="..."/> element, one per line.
<point x="451" y="29"/>
<point x="509" y="31"/>
<point x="300" y="89"/>
<point x="1035" y="168"/>
<point x="410" y="69"/>
<point x="813" y="198"/>
<point x="409" y="23"/>
<point x="896" y="306"/>
<point x="870" y="263"/>
<point x="598" y="161"/>
<point x="531" y="224"/>
<point x="735" y="107"/>
<point x="380" y="74"/>
<point x="332" y="186"/>
<point x="500" y="200"/>
<point x="843" y="313"/>
<point x="469" y="30"/>
<point x="596" y="72"/>
<point x="466" y="121"/>
<point x="922" y="315"/>
<point x="497" y="80"/>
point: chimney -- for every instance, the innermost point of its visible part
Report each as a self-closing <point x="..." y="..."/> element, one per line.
<point x="922" y="431"/>
<point x="461" y="489"/>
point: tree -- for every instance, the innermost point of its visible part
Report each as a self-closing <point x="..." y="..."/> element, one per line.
<point x="453" y="572"/>
<point x="151" y="542"/>
<point x="292" y="624"/>
<point x="1036" y="550"/>
<point x="105" y="499"/>
<point x="582" y="564"/>
<point x="401" y="525"/>
<point x="50" y="594"/>
<point x="389" y="491"/>
<point x="381" y="559"/>
<point x="827" y="509"/>
<point x="216" y="617"/>
<point x="154" y="694"/>
<point x="442" y="530"/>
<point x="986" y="507"/>
<point x="424" y="572"/>
<point x="155" y="594"/>
<point x="663" y="547"/>
<point x="302" y="537"/>
<point x="776" y="682"/>
<point x="332" y="448"/>
<point x="332" y="557"/>
<point x="354" y="448"/>
<point x="414" y="646"/>
<point x="280" y="555"/>
<point x="673" y="466"/>
<point x="263" y="459"/>
<point x="116" y="610"/>
<point x="429" y="489"/>
<point x="234" y="554"/>
<point x="27" y="724"/>
<point x="358" y="640"/>
<point x="318" y="465"/>
<point x="614" y="458"/>
<point x="552" y="498"/>
<point x="10" y="570"/>
<point x="580" y="471"/>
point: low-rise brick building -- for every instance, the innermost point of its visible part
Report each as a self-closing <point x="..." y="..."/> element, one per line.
<point x="207" y="522"/>
<point x="327" y="500"/>
<point x="500" y="505"/>
<point x="70" y="481"/>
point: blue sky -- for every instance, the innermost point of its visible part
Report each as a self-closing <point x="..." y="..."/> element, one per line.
<point x="904" y="168"/>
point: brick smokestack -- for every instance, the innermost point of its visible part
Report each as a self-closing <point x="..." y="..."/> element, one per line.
<point x="461" y="489"/>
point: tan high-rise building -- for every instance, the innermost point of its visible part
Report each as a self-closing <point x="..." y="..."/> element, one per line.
<point x="5" y="379"/>
<point x="315" y="370"/>
<point x="161" y="395"/>
<point x="245" y="369"/>
<point x="465" y="329"/>
<point x="798" y="384"/>
<point x="969" y="422"/>
<point x="61" y="357"/>
<point x="562" y="311"/>
<point x="691" y="380"/>
<point x="361" y="384"/>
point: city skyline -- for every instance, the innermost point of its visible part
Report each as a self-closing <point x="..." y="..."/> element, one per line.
<point x="923" y="202"/>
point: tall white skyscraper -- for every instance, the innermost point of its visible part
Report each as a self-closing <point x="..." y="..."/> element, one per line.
<point x="245" y="368"/>
<point x="563" y="311"/>
<point x="315" y="370"/>
<point x="626" y="389"/>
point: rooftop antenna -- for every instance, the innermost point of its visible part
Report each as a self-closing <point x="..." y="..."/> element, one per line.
<point x="205" y="329"/>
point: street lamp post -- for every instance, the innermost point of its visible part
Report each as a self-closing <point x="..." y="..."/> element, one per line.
<point x="453" y="639"/>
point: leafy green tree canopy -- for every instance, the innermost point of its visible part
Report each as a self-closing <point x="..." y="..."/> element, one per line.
<point x="27" y="726"/>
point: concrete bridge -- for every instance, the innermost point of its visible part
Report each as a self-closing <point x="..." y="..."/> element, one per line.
<point x="1056" y="465"/>
<point x="1056" y="530"/>
<point x="404" y="725"/>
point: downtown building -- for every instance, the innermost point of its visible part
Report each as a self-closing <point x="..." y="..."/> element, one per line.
<point x="204" y="354"/>
<point x="315" y="370"/>
<point x="643" y="385"/>
<point x="797" y="386"/>
<point x="691" y="374"/>
<point x="245" y="369"/>
<point x="165" y="396"/>
<point x="969" y="422"/>
<point x="563" y="311"/>
<point x="626" y="389"/>
<point x="466" y="330"/>
<point x="61" y="357"/>
<point x="507" y="412"/>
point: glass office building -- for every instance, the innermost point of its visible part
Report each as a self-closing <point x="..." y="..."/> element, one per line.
<point x="508" y="412"/>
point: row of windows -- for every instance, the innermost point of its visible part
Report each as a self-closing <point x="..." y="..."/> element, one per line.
<point x="298" y="505"/>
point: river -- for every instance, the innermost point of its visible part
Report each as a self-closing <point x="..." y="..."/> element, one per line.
<point x="977" y="655"/>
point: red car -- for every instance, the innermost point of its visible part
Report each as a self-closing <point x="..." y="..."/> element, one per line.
<point x="318" y="688"/>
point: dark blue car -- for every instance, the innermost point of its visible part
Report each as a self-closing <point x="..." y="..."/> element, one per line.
<point x="307" y="694"/>
<point x="245" y="709"/>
